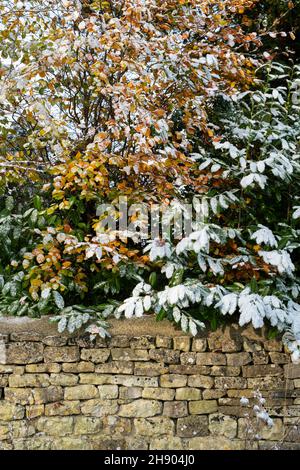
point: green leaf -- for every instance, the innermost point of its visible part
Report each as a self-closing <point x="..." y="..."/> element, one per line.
<point x="37" y="202"/>
<point x="161" y="315"/>
<point x="253" y="285"/>
<point x="153" y="279"/>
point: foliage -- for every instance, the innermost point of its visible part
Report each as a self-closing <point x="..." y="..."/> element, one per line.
<point x="163" y="103"/>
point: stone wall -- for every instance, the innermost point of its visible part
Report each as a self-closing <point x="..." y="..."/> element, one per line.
<point x="147" y="387"/>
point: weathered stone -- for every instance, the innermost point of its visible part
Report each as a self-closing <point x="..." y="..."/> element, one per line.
<point x="99" y="408"/>
<point x="115" y="367"/>
<point x="200" y="398"/>
<point x="150" y="369"/>
<point x="22" y="396"/>
<point x="213" y="443"/>
<point x="66" y="380"/>
<point x="95" y="379"/>
<point x="34" y="411"/>
<point x="173" y="380"/>
<point x="211" y="359"/>
<point x="108" y="392"/>
<point x="225" y="383"/>
<point x="251" y="346"/>
<point x="10" y="411"/>
<point x="290" y="420"/>
<point x="203" y="407"/>
<point x="182" y="343"/>
<point x="213" y="394"/>
<point x="201" y="381"/>
<point x="199" y="344"/>
<point x="293" y="433"/>
<point x="71" y="443"/>
<point x="132" y="381"/>
<point x="262" y="370"/>
<point x="128" y="354"/>
<point x="29" y="380"/>
<point x="273" y="345"/>
<point x="232" y="341"/>
<point x="129" y="393"/>
<point x="81" y="392"/>
<point x="223" y="425"/>
<point x="95" y="355"/>
<point x="187" y="393"/>
<point x="285" y="411"/>
<point x="63" y="354"/>
<point x="231" y="401"/>
<point x="3" y="381"/>
<point x="238" y="359"/>
<point x="119" y="341"/>
<point x="154" y="426"/>
<point x="215" y="340"/>
<point x="166" y="443"/>
<point x="159" y="393"/>
<point x="4" y="445"/>
<point x="100" y="342"/>
<point x="265" y="445"/>
<point x="86" y="341"/>
<point x="78" y="367"/>
<point x="9" y="369"/>
<point x="269" y="383"/>
<point x="47" y="394"/>
<point x="24" y="353"/>
<point x="165" y="355"/>
<point x="143" y="342"/>
<point x="274" y="433"/>
<point x="63" y="408"/>
<point x="87" y="425"/>
<point x="225" y="371"/>
<point x="141" y="409"/>
<point x="4" y="431"/>
<point x="21" y="429"/>
<point x="192" y="426"/>
<point x="55" y="341"/>
<point x="189" y="370"/>
<point x="226" y="340"/>
<point x="114" y="425"/>
<point x="27" y="336"/>
<point x="43" y="368"/>
<point x="292" y="371"/>
<point x="163" y="342"/>
<point x="36" y="442"/>
<point x="101" y="442"/>
<point x="175" y="409"/>
<point x="188" y="358"/>
<point x="235" y="411"/>
<point x="280" y="358"/>
<point x="285" y="393"/>
<point x="55" y="426"/>
<point x="240" y="393"/>
<point x="260" y="357"/>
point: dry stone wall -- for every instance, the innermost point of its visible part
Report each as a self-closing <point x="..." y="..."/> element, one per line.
<point x="147" y="387"/>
